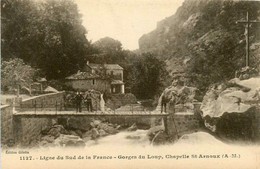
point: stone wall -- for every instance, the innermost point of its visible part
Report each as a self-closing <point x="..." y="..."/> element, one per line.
<point x="89" y="84"/>
<point x="24" y="130"/>
<point x="179" y="123"/>
<point x="27" y="129"/>
<point x="117" y="74"/>
<point x="20" y="130"/>
<point x="6" y="124"/>
<point x="51" y="101"/>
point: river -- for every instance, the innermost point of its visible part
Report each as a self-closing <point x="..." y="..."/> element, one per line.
<point x="133" y="150"/>
<point x="136" y="138"/>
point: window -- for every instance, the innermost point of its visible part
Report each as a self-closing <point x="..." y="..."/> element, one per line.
<point x="93" y="81"/>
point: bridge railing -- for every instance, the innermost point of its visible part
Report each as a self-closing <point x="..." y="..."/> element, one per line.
<point x="131" y="108"/>
<point x="58" y="106"/>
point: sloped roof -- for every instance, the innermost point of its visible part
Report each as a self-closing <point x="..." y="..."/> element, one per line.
<point x="42" y="79"/>
<point x="95" y="66"/>
<point x="82" y="76"/>
<point x="51" y="89"/>
<point x="113" y="66"/>
<point x="117" y="82"/>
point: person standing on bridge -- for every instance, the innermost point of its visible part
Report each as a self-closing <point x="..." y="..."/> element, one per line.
<point x="78" y="100"/>
<point x="163" y="104"/>
<point x="88" y="99"/>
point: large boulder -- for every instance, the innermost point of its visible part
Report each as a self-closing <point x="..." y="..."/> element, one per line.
<point x="181" y="98"/>
<point x="87" y="134"/>
<point x="95" y="123"/>
<point x="132" y="128"/>
<point x="232" y="109"/>
<point x="102" y="133"/>
<point x="199" y="138"/>
<point x="79" y="123"/>
<point x="48" y="138"/>
<point x="107" y="128"/>
<point x="94" y="133"/>
<point x="69" y="140"/>
<point x="56" y="130"/>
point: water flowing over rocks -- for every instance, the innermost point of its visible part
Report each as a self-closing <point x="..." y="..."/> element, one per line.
<point x="199" y="138"/>
<point x="132" y="128"/>
<point x="232" y="109"/>
<point x="182" y="104"/>
<point x="157" y="134"/>
<point x="76" y="135"/>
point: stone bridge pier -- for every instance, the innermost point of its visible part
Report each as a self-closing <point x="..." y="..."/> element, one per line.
<point x="178" y="123"/>
<point x="26" y="129"/>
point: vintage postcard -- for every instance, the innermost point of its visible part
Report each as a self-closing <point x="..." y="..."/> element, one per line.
<point x="135" y="84"/>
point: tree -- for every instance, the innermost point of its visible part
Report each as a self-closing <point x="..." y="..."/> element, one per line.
<point x="16" y="74"/>
<point x="109" y="50"/>
<point x="147" y="76"/>
<point x="16" y="18"/>
<point x="107" y="45"/>
<point x="48" y="35"/>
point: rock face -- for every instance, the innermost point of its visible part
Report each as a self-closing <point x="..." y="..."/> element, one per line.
<point x="76" y="134"/>
<point x="201" y="38"/>
<point x="118" y="100"/>
<point x="232" y="109"/>
<point x="180" y="98"/>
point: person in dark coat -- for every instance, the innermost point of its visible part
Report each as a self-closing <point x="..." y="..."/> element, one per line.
<point x="78" y="100"/>
<point x="163" y="103"/>
<point x="88" y="99"/>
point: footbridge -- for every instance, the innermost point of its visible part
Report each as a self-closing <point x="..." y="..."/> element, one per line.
<point x="90" y="114"/>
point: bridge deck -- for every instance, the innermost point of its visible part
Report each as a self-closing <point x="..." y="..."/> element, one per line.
<point x="85" y="113"/>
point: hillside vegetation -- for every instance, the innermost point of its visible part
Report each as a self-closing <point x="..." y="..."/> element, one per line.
<point x="203" y="42"/>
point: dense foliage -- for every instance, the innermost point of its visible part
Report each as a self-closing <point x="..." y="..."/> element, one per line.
<point x="144" y="74"/>
<point x="45" y="34"/>
<point x="16" y="74"/>
<point x="48" y="36"/>
<point x="147" y="76"/>
<point x="204" y="41"/>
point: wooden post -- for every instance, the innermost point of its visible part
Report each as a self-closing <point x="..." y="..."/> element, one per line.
<point x="56" y="105"/>
<point x="61" y="103"/>
<point x="114" y="108"/>
<point x="35" y="106"/>
<point x="247" y="39"/>
<point x="96" y="106"/>
<point x="42" y="105"/>
<point x="247" y="23"/>
<point x="30" y="88"/>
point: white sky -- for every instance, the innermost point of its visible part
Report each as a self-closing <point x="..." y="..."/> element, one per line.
<point x="124" y="20"/>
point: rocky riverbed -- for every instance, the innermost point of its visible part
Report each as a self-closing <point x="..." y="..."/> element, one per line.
<point x="64" y="135"/>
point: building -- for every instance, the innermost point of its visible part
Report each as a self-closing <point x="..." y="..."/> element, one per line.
<point x="101" y="77"/>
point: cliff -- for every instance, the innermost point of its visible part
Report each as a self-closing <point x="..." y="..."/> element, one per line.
<point x="203" y="39"/>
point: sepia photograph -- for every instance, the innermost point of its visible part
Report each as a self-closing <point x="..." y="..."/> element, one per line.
<point x="136" y="84"/>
